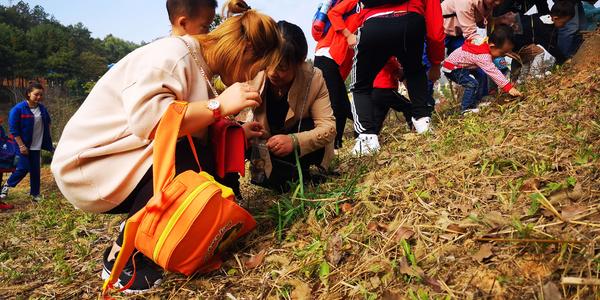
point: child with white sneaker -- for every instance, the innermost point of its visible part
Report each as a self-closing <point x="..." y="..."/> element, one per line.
<point x="479" y="53"/>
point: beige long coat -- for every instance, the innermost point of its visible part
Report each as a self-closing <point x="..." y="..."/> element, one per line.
<point x="106" y="147"/>
<point x="308" y="98"/>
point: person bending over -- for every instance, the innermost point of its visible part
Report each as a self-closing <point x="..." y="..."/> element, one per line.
<point x="294" y="117"/>
<point x="479" y="53"/>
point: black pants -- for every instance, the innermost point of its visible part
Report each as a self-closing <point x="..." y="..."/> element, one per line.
<point x="379" y="39"/>
<point x="284" y="168"/>
<point x="383" y="100"/>
<point x="338" y="95"/>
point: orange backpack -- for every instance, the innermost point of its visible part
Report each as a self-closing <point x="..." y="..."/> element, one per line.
<point x="190" y="219"/>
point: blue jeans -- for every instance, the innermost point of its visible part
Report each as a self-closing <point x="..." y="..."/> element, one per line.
<point x="467" y="80"/>
<point x="430" y="100"/>
<point x="27" y="164"/>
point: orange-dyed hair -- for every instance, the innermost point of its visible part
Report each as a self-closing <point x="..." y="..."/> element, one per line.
<point x="247" y="31"/>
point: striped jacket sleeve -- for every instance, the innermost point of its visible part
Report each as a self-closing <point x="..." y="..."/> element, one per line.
<point x="485" y="62"/>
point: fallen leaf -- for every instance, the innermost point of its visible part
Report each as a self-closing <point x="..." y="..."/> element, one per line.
<point x="383" y="227"/>
<point x="409" y="270"/>
<point x="495" y="219"/>
<point x="346" y="208"/>
<point x="403" y="233"/>
<point x="485" y="251"/>
<point x="388" y="295"/>
<point x="530" y="185"/>
<point x="564" y="196"/>
<point x="334" y="249"/>
<point x="455" y="228"/>
<point x="433" y="283"/>
<point x="570" y="212"/>
<point x="431" y="180"/>
<point x="372" y="226"/>
<point x="551" y="291"/>
<point x="443" y="221"/>
<point x="255" y="260"/>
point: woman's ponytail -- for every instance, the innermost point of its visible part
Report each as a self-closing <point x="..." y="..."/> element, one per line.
<point x="235" y="7"/>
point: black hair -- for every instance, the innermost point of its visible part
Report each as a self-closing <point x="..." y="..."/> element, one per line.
<point x="563" y="8"/>
<point x="501" y="35"/>
<point x="294" y="48"/>
<point x="33" y="85"/>
<point x="187" y="8"/>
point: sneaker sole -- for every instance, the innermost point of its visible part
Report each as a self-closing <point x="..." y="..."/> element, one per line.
<point x="106" y="274"/>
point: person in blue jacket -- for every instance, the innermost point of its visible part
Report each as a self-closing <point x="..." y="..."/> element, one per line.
<point x="29" y="123"/>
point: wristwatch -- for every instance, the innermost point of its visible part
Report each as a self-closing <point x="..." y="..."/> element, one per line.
<point x="215" y="107"/>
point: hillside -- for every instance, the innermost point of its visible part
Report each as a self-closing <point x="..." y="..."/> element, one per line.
<point x="498" y="205"/>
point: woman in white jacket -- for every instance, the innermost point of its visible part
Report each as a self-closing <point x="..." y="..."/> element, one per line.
<point x="103" y="161"/>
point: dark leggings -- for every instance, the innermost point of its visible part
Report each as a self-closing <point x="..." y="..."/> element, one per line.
<point x="379" y="39"/>
<point x="338" y="95"/>
<point x="383" y="100"/>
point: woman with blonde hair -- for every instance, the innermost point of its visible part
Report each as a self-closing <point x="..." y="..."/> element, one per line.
<point x="103" y="162"/>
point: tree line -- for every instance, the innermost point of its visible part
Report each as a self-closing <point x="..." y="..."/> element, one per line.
<point x="34" y="45"/>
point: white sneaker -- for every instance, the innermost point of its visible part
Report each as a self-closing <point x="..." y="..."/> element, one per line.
<point x="470" y="111"/>
<point x="366" y="144"/>
<point x="4" y="191"/>
<point x="421" y="125"/>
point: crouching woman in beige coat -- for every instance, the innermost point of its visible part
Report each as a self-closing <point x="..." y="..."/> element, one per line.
<point x="103" y="162"/>
<point x="295" y="114"/>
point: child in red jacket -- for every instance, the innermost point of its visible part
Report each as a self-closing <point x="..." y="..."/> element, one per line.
<point x="479" y="53"/>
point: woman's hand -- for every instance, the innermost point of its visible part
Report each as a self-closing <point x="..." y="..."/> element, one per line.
<point x="281" y="145"/>
<point x="238" y="97"/>
<point x="253" y="130"/>
<point x="24" y="150"/>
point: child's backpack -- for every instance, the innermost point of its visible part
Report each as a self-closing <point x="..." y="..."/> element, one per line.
<point x="8" y="151"/>
<point x="375" y="3"/>
<point x="190" y="219"/>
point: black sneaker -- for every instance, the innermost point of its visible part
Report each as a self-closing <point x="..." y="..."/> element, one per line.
<point x="148" y="275"/>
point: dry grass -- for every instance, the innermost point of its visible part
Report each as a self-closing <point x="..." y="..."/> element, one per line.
<point x="499" y="205"/>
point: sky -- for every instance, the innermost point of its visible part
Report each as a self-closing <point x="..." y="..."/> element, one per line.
<point x="146" y="20"/>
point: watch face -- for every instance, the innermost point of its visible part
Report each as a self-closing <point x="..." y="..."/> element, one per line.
<point x="213" y="104"/>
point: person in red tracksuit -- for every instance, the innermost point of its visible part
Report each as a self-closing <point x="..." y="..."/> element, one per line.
<point x="392" y="30"/>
